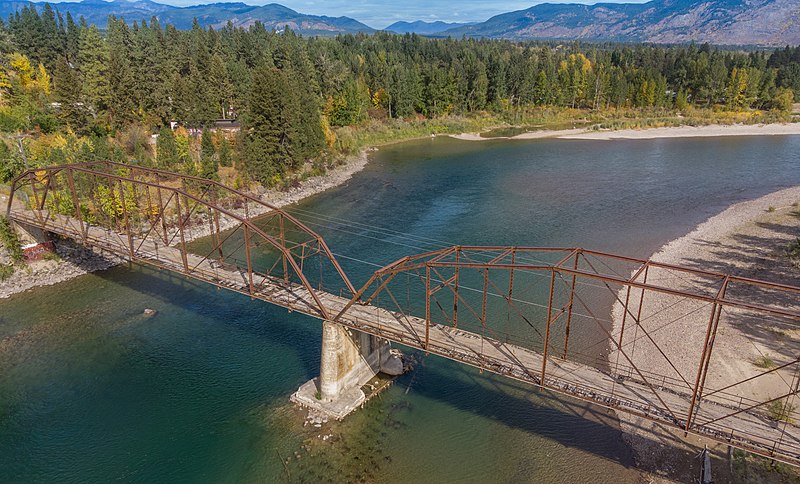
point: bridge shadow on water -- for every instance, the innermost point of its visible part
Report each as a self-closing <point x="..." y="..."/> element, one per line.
<point x="295" y="332"/>
<point x="570" y="422"/>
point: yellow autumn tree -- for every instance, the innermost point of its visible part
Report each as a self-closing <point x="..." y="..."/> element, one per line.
<point x="21" y="70"/>
<point x="43" y="81"/>
<point x="576" y="70"/>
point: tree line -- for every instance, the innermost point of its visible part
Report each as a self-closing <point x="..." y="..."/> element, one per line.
<point x="291" y="94"/>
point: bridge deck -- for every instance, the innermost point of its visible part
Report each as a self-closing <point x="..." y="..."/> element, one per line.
<point x="752" y="431"/>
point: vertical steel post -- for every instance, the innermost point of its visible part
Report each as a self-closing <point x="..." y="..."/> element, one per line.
<point x="455" y="291"/>
<point x="485" y="293"/>
<point x="511" y="277"/>
<point x="78" y="214"/>
<point x="711" y="333"/>
<point x="283" y="243"/>
<point x="249" y="258"/>
<point x="163" y="212"/>
<point x="569" y="307"/>
<point x="547" y="329"/>
<point x="427" y="305"/>
<point x="126" y="219"/>
<point x="212" y="233"/>
<point x="34" y="181"/>
<point x="184" y="259"/>
<point x="215" y="227"/>
<point x="624" y="317"/>
<point x="46" y="190"/>
<point x="700" y="365"/>
<point x="483" y="311"/>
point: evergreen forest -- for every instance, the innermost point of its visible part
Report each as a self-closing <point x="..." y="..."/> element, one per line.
<point x="152" y="94"/>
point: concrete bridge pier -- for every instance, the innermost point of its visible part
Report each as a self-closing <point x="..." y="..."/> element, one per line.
<point x="349" y="360"/>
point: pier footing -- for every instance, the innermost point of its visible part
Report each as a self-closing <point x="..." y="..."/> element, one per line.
<point x="349" y="360"/>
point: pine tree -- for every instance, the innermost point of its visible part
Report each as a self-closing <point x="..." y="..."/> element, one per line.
<point x="68" y="94"/>
<point x="52" y="36"/>
<point x="224" y="151"/>
<point x="121" y="103"/>
<point x="72" y="39"/>
<point x="208" y="156"/>
<point x="271" y="125"/>
<point x="220" y="85"/>
<point x="166" y="149"/>
<point x="93" y="69"/>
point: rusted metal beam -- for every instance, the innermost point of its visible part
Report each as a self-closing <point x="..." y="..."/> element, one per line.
<point x="549" y="321"/>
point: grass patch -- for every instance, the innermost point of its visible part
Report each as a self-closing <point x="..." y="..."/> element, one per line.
<point x="765" y="362"/>
<point x="752" y="468"/>
<point x="781" y="411"/>
<point x="6" y="271"/>
<point x="793" y="252"/>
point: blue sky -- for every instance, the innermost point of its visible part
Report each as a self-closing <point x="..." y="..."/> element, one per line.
<point x="380" y="13"/>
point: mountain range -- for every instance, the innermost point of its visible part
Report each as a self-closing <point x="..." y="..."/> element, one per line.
<point x="213" y="14"/>
<point x="725" y="22"/>
<point x="424" y="28"/>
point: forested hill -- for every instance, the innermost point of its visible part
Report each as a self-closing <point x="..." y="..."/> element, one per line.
<point x="212" y="15"/>
<point x="722" y="22"/>
<point x="71" y="91"/>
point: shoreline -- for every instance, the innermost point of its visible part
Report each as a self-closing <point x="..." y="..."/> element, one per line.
<point x="707" y="131"/>
<point x="75" y="260"/>
<point x="747" y="239"/>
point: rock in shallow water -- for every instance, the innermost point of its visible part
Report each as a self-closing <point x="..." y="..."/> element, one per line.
<point x="393" y="366"/>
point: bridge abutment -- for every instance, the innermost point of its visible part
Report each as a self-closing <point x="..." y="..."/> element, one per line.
<point x="348" y="361"/>
<point x="30" y="234"/>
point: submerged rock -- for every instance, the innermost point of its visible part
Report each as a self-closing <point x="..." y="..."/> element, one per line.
<point x="393" y="365"/>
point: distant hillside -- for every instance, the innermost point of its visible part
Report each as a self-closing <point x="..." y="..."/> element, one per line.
<point x="726" y="22"/>
<point x="214" y="15"/>
<point x="423" y="28"/>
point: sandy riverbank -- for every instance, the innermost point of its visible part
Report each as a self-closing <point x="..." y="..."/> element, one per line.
<point x="649" y="133"/>
<point x="689" y="132"/>
<point x="748" y="239"/>
<point x="540" y="134"/>
<point x="75" y="260"/>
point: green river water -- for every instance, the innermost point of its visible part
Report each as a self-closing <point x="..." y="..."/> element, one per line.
<point x="92" y="391"/>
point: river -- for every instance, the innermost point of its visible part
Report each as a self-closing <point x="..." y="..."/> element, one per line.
<point x="92" y="391"/>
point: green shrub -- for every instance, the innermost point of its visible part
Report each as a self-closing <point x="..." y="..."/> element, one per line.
<point x="793" y="252"/>
<point x="781" y="410"/>
<point x="9" y="239"/>
<point x="6" y="271"/>
<point x="765" y="362"/>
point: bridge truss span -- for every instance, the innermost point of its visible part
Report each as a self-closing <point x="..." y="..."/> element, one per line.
<point x="153" y="216"/>
<point x="640" y="336"/>
<point x="702" y="352"/>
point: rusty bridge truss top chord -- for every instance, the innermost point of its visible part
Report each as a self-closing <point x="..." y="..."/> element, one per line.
<point x="667" y="333"/>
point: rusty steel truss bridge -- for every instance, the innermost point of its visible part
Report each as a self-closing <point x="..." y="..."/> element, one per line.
<point x="638" y="336"/>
